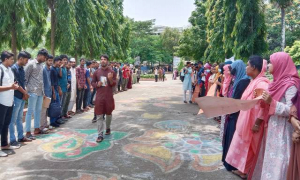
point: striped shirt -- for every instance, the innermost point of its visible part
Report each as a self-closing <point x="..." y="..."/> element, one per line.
<point x="34" y="78"/>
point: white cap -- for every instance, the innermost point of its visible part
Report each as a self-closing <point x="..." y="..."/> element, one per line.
<point x="72" y="60"/>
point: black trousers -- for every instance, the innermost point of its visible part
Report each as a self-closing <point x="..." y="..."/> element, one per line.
<point x="138" y="80"/>
<point x="5" y="117"/>
<point x="156" y="77"/>
<point x="79" y="98"/>
<point x="93" y="95"/>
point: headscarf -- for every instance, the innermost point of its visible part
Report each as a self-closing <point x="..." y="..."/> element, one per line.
<point x="284" y="73"/>
<point x="228" y="62"/>
<point x="227" y="80"/>
<point x="207" y="66"/>
<point x="240" y="74"/>
<point x="217" y="73"/>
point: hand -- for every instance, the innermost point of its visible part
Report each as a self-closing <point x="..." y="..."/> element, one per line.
<point x="99" y="84"/>
<point x="92" y="89"/>
<point x="266" y="97"/>
<point x="258" y="92"/>
<point x="110" y="76"/>
<point x="60" y="92"/>
<point x="296" y="137"/>
<point x="296" y="124"/>
<point x="14" y="86"/>
<point x="54" y="96"/>
<point x="85" y="87"/>
<point x="25" y="97"/>
<point x="68" y="86"/>
<point x="255" y="128"/>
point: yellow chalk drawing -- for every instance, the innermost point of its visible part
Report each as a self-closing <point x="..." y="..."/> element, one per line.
<point x="152" y="116"/>
<point x="63" y="145"/>
<point x="208" y="159"/>
<point x="160" y="152"/>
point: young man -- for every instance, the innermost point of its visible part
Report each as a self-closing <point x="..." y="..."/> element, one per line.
<point x="104" y="81"/>
<point x="54" y="75"/>
<point x="63" y="84"/>
<point x="7" y="87"/>
<point x="81" y="85"/>
<point x="73" y="86"/>
<point x="125" y="74"/>
<point x="35" y="87"/>
<point x="48" y="93"/>
<point x="69" y="90"/>
<point x="20" y="96"/>
<point x="156" y="74"/>
<point x="93" y="70"/>
<point x="120" y="77"/>
<point x="89" y="88"/>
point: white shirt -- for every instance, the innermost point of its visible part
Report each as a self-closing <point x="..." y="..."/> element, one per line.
<point x="156" y="72"/>
<point x="7" y="97"/>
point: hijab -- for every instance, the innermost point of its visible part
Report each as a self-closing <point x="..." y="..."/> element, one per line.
<point x="240" y="72"/>
<point x="284" y="73"/>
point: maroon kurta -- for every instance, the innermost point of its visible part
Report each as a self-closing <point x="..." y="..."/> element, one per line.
<point x="105" y="102"/>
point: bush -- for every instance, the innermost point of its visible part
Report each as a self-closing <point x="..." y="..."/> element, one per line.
<point x="148" y="76"/>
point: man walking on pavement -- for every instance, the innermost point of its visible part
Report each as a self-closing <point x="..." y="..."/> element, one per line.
<point x="104" y="81"/>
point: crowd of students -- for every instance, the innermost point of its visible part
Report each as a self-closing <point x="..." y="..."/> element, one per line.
<point x="263" y="142"/>
<point x="51" y="86"/>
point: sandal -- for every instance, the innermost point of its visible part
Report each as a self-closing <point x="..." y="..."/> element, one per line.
<point x="239" y="174"/>
<point x="99" y="139"/>
<point x="107" y="132"/>
<point x="31" y="137"/>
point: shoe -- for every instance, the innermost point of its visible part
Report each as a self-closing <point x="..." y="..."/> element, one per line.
<point x="99" y="139"/>
<point x="15" y="144"/>
<point x="190" y="102"/>
<point x="3" y="154"/>
<point x="30" y="137"/>
<point x="60" y="121"/>
<point x="107" y="132"/>
<point x="11" y="147"/>
<point x="24" y="139"/>
<point x="54" y="124"/>
<point x="185" y="102"/>
<point x="94" y="120"/>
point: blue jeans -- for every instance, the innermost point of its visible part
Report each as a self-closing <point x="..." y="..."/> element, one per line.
<point x="17" y="119"/>
<point x="52" y="119"/>
<point x="35" y="103"/>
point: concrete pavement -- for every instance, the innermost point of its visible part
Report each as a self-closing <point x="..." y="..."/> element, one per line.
<point x="155" y="136"/>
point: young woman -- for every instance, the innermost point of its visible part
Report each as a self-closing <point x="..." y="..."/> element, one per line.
<point x="274" y="156"/>
<point x="245" y="145"/>
<point x="241" y="81"/>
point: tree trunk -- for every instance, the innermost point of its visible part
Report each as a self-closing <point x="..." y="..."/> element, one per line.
<point x="282" y="28"/>
<point x="14" y="36"/>
<point x="52" y="9"/>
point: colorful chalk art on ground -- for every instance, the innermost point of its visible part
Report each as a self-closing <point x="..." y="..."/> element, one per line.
<point x="173" y="143"/>
<point x="70" y="145"/>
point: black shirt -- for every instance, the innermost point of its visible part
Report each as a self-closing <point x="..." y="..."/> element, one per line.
<point x="20" y="78"/>
<point x="54" y="75"/>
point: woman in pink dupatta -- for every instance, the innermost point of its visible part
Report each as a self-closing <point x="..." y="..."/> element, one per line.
<point x="245" y="145"/>
<point x="275" y="153"/>
<point x="227" y="80"/>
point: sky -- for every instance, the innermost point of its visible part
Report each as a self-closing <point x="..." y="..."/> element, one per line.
<point x="172" y="13"/>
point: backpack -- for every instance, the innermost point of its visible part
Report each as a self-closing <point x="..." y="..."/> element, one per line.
<point x="2" y="75"/>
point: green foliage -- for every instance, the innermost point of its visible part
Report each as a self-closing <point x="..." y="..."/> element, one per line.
<point x="192" y="43"/>
<point x="170" y="40"/>
<point x="148" y="76"/>
<point x="294" y="52"/>
<point x="250" y="29"/>
<point x="180" y="65"/>
<point x="230" y="11"/>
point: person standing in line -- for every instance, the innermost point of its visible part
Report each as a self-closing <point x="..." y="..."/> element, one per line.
<point x="187" y="82"/>
<point x="160" y="74"/>
<point x="54" y="76"/>
<point x="163" y="74"/>
<point x="20" y="95"/>
<point x="63" y="84"/>
<point x="73" y="86"/>
<point x="125" y="77"/>
<point x="93" y="70"/>
<point x="35" y="86"/>
<point x="7" y="87"/>
<point x="120" y="77"/>
<point x="156" y="74"/>
<point x="81" y="85"/>
<point x="129" y="71"/>
<point x="138" y="73"/>
<point x="104" y="80"/>
<point x="48" y="93"/>
<point x="68" y="93"/>
<point x="89" y="88"/>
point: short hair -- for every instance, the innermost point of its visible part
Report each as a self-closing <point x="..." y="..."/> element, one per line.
<point x="93" y="61"/>
<point x="6" y="55"/>
<point x="187" y="63"/>
<point x="43" y="52"/>
<point x="82" y="59"/>
<point x="24" y="54"/>
<point x="57" y="58"/>
<point x="50" y="56"/>
<point x="64" y="56"/>
<point x="200" y="62"/>
<point x="88" y="63"/>
<point x="104" y="56"/>
<point x="256" y="62"/>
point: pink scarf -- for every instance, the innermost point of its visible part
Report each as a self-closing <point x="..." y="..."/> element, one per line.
<point x="227" y="80"/>
<point x="247" y="118"/>
<point x="285" y="75"/>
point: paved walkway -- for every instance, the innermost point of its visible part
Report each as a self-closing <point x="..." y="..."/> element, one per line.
<point x="155" y="136"/>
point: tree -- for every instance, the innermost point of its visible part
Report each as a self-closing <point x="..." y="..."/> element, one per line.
<point x="282" y="4"/>
<point x="215" y="27"/>
<point x="250" y="29"/>
<point x="294" y="52"/>
<point x="230" y="11"/>
<point x="22" y="23"/>
<point x="170" y="40"/>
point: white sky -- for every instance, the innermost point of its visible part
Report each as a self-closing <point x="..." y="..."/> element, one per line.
<point x="173" y="13"/>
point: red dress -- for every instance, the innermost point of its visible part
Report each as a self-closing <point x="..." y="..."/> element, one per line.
<point x="129" y="85"/>
<point x="104" y="103"/>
